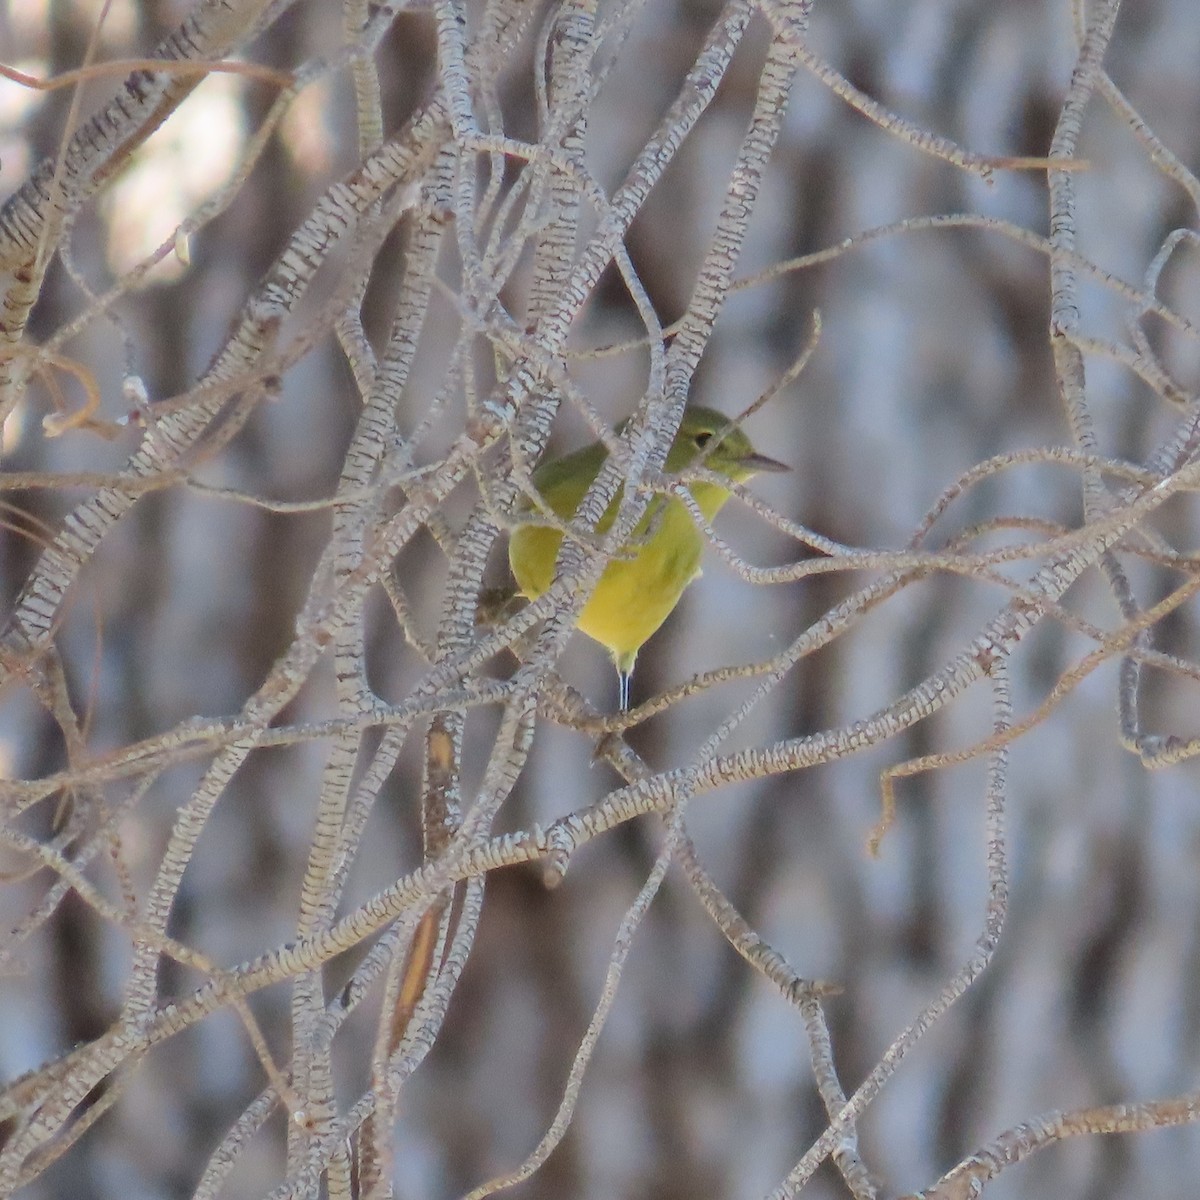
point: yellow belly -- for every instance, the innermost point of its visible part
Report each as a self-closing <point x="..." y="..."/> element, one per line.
<point x="634" y="595"/>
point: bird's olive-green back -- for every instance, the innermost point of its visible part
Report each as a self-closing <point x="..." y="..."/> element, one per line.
<point x="562" y="482"/>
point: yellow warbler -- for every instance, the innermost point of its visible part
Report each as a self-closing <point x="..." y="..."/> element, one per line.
<point x="638" y="590"/>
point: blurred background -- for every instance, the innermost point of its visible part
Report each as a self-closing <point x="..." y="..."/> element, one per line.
<point x="933" y="357"/>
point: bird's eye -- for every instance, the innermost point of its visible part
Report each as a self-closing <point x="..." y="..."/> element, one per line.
<point x="702" y="439"/>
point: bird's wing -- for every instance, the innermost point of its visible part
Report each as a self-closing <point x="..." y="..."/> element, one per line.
<point x="563" y="481"/>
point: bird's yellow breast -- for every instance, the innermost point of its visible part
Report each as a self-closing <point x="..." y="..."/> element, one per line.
<point x="637" y="591"/>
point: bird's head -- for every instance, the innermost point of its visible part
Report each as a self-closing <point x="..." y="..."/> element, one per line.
<point x="710" y="439"/>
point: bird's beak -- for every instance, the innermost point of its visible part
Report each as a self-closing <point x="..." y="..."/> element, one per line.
<point x="760" y="462"/>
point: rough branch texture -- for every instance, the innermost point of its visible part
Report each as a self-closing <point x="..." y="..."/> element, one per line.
<point x="329" y="868"/>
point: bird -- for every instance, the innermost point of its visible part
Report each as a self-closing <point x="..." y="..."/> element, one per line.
<point x="642" y="585"/>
